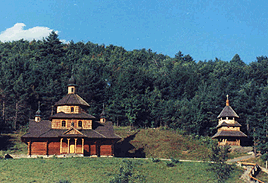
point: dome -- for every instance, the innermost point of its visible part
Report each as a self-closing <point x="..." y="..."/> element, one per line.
<point x="72" y="81"/>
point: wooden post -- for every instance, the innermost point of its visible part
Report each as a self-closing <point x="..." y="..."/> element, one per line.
<point x="75" y="141"/>
<point x="47" y="148"/>
<point x="98" y="148"/>
<point x="61" y="145"/>
<point x="82" y="146"/>
<point x="68" y="146"/>
<point x="29" y="148"/>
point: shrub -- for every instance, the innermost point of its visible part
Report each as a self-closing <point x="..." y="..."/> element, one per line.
<point x="126" y="174"/>
<point x="170" y="164"/>
<point x="219" y="167"/>
<point x="155" y="160"/>
<point x="64" y="181"/>
<point x="174" y="160"/>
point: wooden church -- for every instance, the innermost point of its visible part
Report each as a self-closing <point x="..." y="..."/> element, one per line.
<point x="228" y="129"/>
<point x="71" y="130"/>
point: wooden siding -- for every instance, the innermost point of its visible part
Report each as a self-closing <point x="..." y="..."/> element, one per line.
<point x="67" y="109"/>
<point x="229" y="128"/>
<point x="57" y="123"/>
<point x="38" y="148"/>
<point x="106" y="150"/>
<point x="54" y="148"/>
<point x="91" y="147"/>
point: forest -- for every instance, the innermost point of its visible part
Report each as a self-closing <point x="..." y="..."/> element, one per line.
<point x="140" y="88"/>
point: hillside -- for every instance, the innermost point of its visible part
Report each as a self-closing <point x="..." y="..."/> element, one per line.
<point x="159" y="143"/>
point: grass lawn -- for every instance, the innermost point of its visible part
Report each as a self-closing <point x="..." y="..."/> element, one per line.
<point x="102" y="170"/>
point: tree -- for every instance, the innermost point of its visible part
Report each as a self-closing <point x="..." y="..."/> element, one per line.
<point x="219" y="155"/>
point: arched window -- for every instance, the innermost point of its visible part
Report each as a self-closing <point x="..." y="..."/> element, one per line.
<point x="72" y="109"/>
<point x="79" y="123"/>
<point x="63" y="123"/>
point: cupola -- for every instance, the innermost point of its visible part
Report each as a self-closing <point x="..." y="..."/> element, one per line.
<point x="38" y="114"/>
<point x="103" y="115"/>
<point x="71" y="85"/>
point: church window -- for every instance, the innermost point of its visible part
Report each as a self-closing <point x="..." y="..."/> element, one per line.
<point x="79" y="123"/>
<point x="63" y="123"/>
<point x="72" y="109"/>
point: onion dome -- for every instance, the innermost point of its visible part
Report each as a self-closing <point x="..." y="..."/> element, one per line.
<point x="38" y="112"/>
<point x="103" y="114"/>
<point x="72" y="81"/>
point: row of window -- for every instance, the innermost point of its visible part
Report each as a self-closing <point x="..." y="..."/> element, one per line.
<point x="63" y="124"/>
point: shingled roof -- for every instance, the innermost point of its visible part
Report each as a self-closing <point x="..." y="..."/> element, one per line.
<point x="228" y="112"/>
<point x="72" y="99"/>
<point x="229" y="134"/>
<point x="62" y="115"/>
<point x="235" y="124"/>
<point x="42" y="130"/>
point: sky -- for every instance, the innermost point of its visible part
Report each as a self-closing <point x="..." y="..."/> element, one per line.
<point x="204" y="29"/>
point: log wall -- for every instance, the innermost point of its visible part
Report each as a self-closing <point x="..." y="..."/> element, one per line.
<point x="39" y="148"/>
<point x="54" y="148"/>
<point x="57" y="123"/>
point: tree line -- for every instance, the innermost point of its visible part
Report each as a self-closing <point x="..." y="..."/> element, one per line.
<point x="139" y="87"/>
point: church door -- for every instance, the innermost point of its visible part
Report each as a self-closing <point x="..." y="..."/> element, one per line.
<point x="72" y="148"/>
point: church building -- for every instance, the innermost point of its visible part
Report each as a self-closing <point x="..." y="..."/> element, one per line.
<point x="228" y="128"/>
<point x="71" y="130"/>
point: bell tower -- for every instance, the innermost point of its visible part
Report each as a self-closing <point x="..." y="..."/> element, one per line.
<point x="37" y="117"/>
<point x="71" y="85"/>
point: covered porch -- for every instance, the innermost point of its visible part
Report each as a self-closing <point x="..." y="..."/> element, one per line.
<point x="72" y="145"/>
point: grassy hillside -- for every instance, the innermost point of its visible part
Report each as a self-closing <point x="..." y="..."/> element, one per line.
<point x="160" y="143"/>
<point x="102" y="170"/>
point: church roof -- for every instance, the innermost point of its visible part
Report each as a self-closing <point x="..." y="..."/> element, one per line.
<point x="224" y="123"/>
<point x="72" y="99"/>
<point x="228" y="112"/>
<point x="62" y="115"/>
<point x="43" y="129"/>
<point x="225" y="133"/>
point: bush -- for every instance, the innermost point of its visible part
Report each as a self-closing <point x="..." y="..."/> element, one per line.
<point x="126" y="174"/>
<point x="155" y="160"/>
<point x="170" y="164"/>
<point x="64" y="181"/>
<point x="219" y="156"/>
<point x="174" y="160"/>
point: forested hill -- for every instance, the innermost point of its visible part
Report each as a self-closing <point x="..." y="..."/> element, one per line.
<point x="138" y="87"/>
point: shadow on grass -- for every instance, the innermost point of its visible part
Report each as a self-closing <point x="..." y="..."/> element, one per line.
<point x="123" y="148"/>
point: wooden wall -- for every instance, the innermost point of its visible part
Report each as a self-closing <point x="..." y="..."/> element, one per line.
<point x="39" y="148"/>
<point x="57" y="123"/>
<point x="67" y="109"/>
<point x="91" y="147"/>
<point x="54" y="147"/>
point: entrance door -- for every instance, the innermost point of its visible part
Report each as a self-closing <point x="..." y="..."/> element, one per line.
<point x="72" y="148"/>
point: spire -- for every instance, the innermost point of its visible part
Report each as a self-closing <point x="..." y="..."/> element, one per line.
<point x="227" y="101"/>
<point x="72" y="81"/>
<point x="102" y="115"/>
<point x="71" y="85"/>
<point x="38" y="114"/>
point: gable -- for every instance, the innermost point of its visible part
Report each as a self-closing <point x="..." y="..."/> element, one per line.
<point x="72" y="131"/>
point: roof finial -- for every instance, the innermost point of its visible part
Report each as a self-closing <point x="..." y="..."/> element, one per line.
<point x="38" y="112"/>
<point x="103" y="111"/>
<point x="227" y="100"/>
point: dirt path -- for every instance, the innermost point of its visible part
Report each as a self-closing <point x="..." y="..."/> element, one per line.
<point x="240" y="158"/>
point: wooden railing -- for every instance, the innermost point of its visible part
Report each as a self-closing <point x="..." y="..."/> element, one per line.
<point x="255" y="169"/>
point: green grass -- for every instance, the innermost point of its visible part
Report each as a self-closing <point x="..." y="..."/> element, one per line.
<point x="102" y="170"/>
<point x="160" y="143"/>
